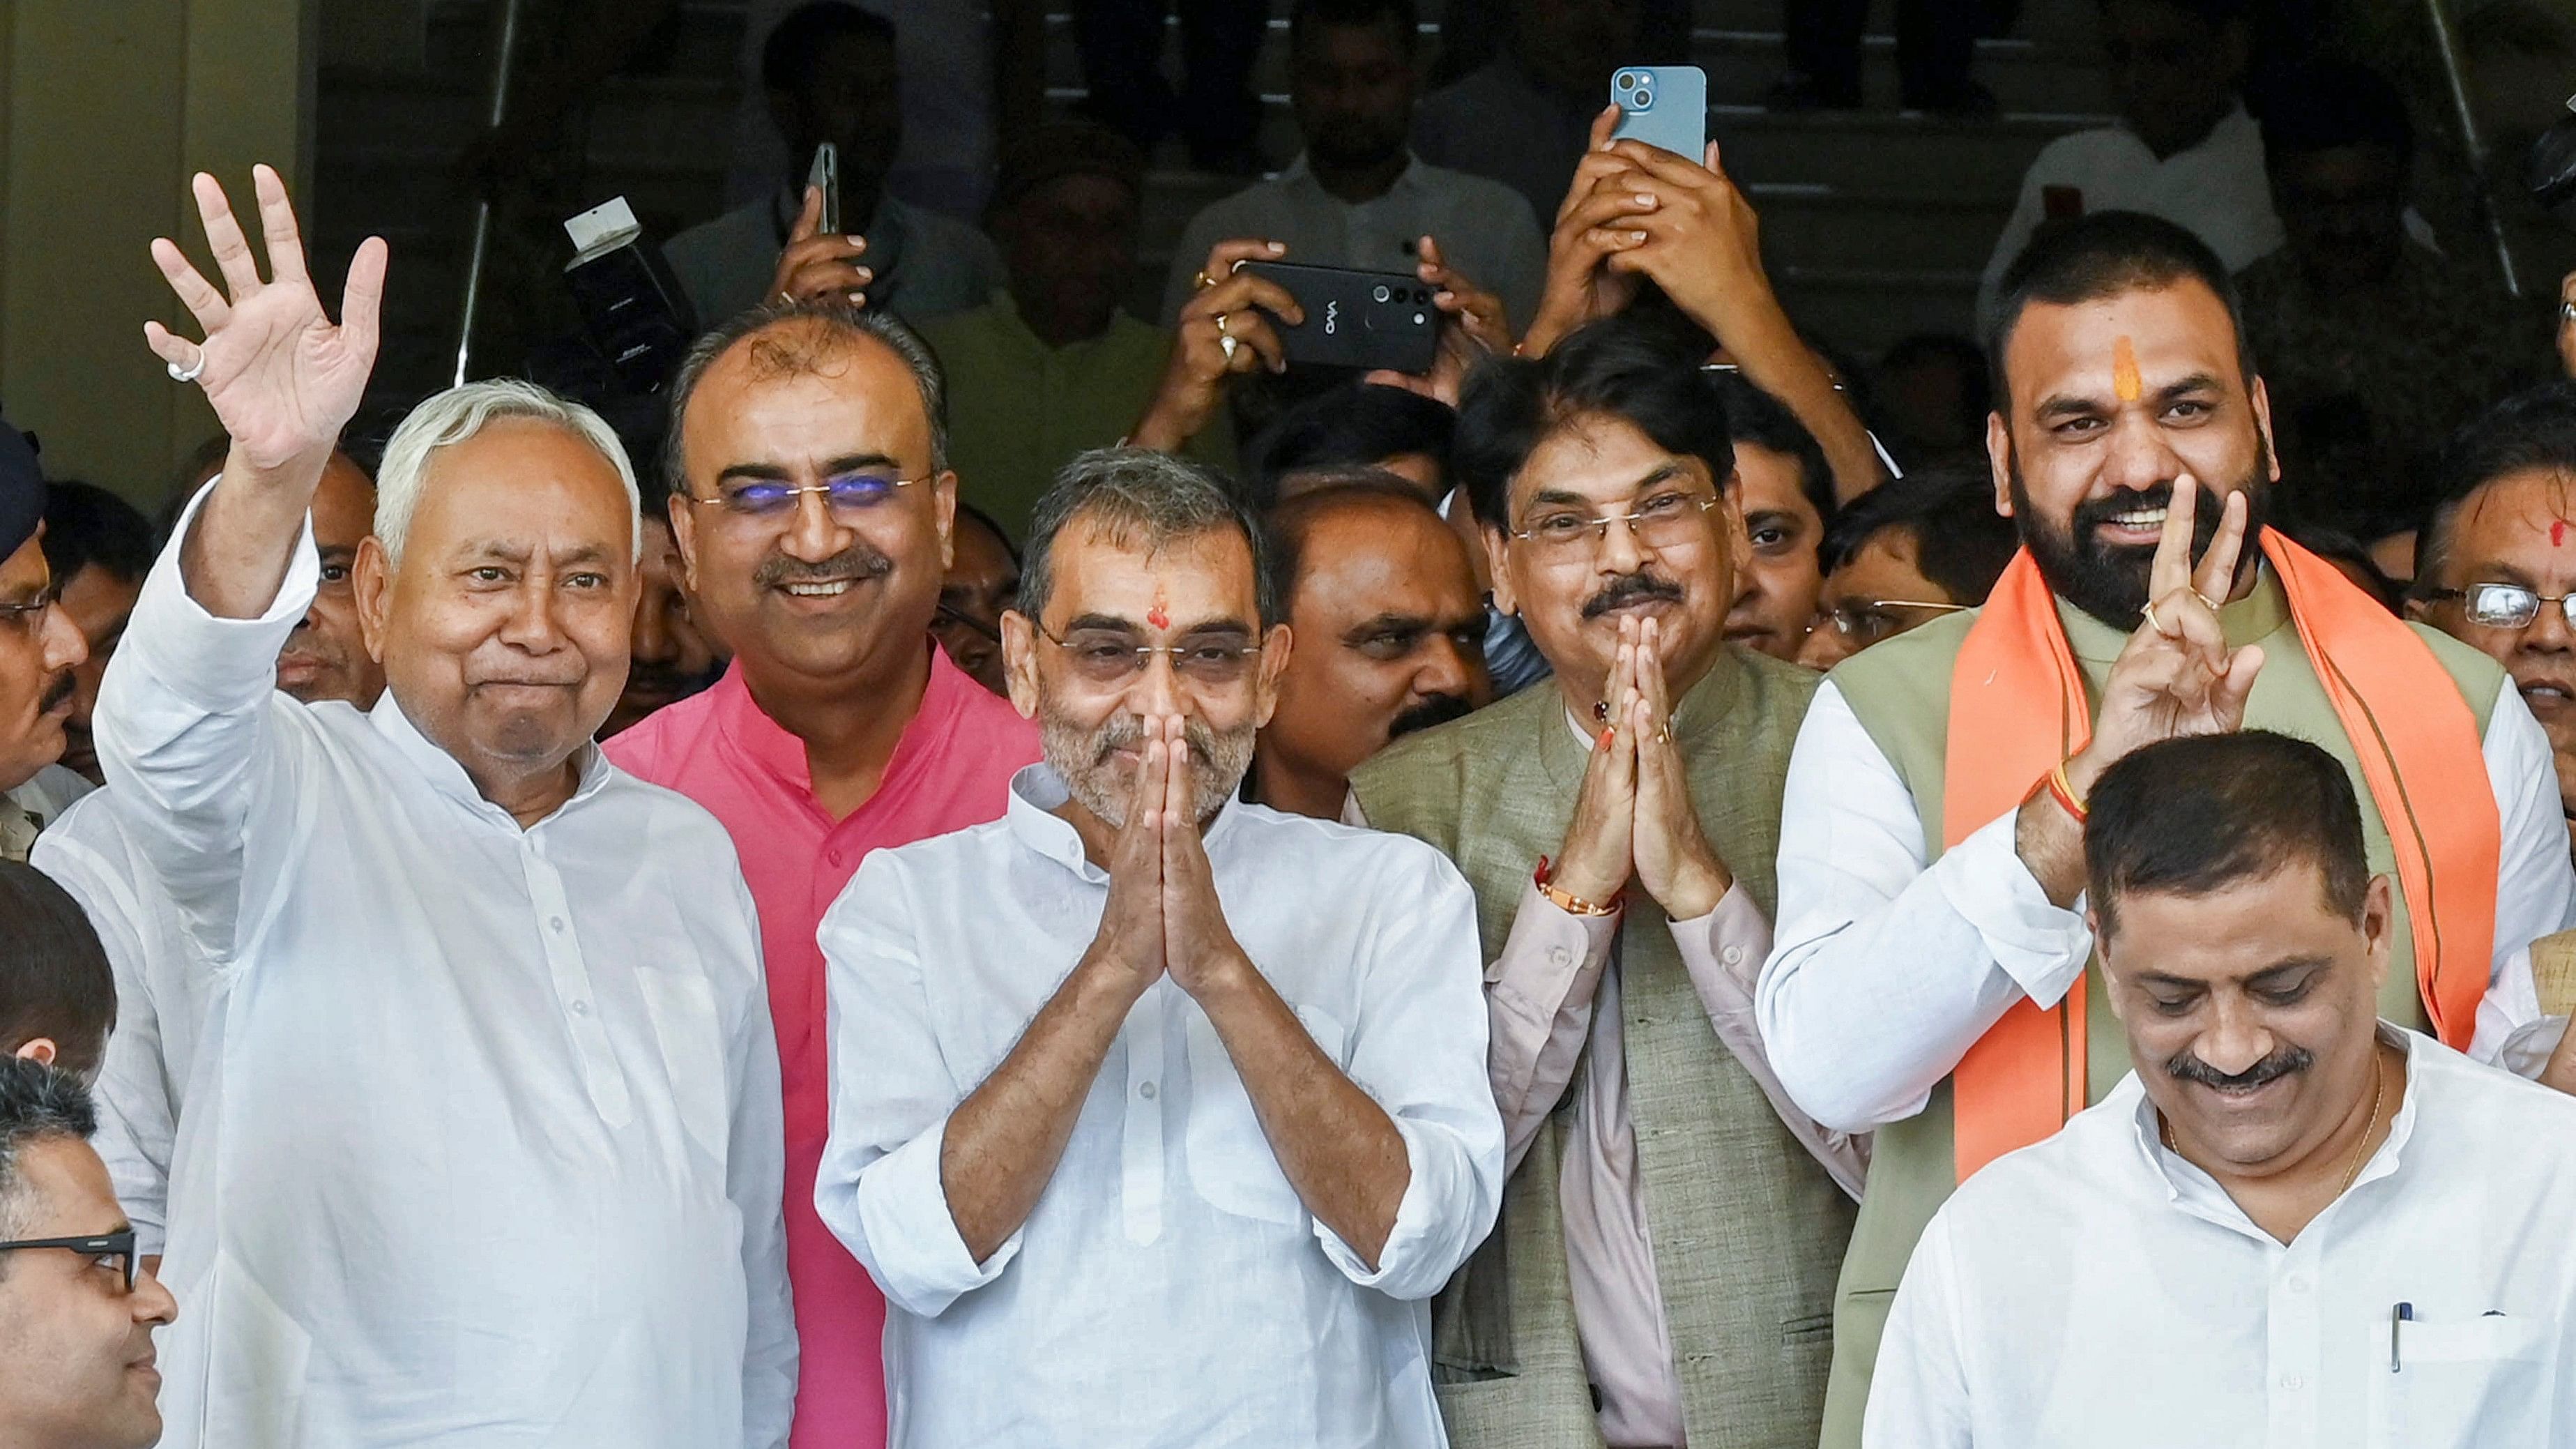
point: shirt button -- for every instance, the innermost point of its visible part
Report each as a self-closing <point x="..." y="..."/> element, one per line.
<point x="556" y="923"/>
<point x="2293" y="1382"/>
<point x="581" y="1008"/>
<point x="1560" y="957"/>
<point x="833" y="855"/>
<point x="2298" y="1284"/>
<point x="1732" y="955"/>
<point x="1146" y="1091"/>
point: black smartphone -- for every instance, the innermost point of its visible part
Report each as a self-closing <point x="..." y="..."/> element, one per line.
<point x="1357" y="319"/>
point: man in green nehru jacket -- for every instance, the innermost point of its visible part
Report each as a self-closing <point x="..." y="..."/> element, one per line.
<point x="1663" y="1269"/>
<point x="1931" y="980"/>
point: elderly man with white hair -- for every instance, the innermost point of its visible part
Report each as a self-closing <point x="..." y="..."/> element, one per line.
<point x="483" y="1141"/>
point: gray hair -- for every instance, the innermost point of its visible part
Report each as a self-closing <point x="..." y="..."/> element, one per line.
<point x="38" y="1103"/>
<point x="842" y="325"/>
<point x="1138" y="496"/>
<point x="459" y="413"/>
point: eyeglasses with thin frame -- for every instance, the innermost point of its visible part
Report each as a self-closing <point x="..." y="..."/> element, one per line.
<point x="1666" y="519"/>
<point x="118" y="1245"/>
<point x="1868" y="622"/>
<point x="2506" y="606"/>
<point x="30" y="616"/>
<point x="1106" y="658"/>
<point x="848" y="495"/>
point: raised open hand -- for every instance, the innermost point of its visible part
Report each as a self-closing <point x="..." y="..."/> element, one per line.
<point x="1688" y="228"/>
<point x="2177" y="676"/>
<point x="283" y="380"/>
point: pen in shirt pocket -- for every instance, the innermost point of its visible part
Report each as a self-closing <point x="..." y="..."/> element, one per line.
<point x="2401" y="1313"/>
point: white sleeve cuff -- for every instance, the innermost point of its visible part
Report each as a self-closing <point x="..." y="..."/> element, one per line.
<point x="2042" y="948"/>
<point x="218" y="665"/>
<point x="1422" y="1249"/>
<point x="910" y="1235"/>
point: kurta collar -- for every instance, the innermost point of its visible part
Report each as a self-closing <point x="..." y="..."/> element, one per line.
<point x="444" y="775"/>
<point x="2257" y="616"/>
<point x="2196" y="1192"/>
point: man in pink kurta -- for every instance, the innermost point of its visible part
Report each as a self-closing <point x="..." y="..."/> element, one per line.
<point x="952" y="768"/>
<point x="813" y="507"/>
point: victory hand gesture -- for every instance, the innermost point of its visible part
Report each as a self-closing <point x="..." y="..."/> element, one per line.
<point x="283" y="380"/>
<point x="2177" y="676"/>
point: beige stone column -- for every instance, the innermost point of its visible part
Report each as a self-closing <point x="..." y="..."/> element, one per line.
<point x="106" y="107"/>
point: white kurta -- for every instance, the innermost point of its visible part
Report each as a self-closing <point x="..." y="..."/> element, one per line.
<point x="1884" y="970"/>
<point x="2099" y="1290"/>
<point x="1170" y="1291"/>
<point x="482" y="1143"/>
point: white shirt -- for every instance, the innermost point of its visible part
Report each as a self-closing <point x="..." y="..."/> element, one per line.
<point x="2217" y="190"/>
<point x="1883" y="972"/>
<point x="1170" y="1288"/>
<point x="2098" y="1290"/>
<point x="164" y="991"/>
<point x="482" y="1142"/>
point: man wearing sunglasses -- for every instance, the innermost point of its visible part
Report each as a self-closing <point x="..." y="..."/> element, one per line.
<point x="77" y="1307"/>
<point x="815" y="514"/>
<point x="1157" y="1113"/>
<point x="39" y="649"/>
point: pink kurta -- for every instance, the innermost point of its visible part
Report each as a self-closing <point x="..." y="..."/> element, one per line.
<point x="951" y="769"/>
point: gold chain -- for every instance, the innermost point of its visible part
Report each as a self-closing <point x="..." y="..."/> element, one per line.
<point x="2360" y="1151"/>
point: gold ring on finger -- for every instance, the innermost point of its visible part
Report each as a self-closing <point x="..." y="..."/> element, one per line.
<point x="2205" y="599"/>
<point x="2150" y="612"/>
<point x="1228" y="345"/>
<point x="1202" y="281"/>
<point x="1220" y="324"/>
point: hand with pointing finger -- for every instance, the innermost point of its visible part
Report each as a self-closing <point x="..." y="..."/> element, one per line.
<point x="2177" y="676"/>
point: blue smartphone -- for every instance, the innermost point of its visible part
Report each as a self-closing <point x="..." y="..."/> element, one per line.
<point x="1663" y="105"/>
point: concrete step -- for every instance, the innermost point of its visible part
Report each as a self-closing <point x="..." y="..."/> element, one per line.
<point x="1862" y="311"/>
<point x="1888" y="151"/>
<point x="1820" y="226"/>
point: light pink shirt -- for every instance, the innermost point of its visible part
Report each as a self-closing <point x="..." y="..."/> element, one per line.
<point x="951" y="769"/>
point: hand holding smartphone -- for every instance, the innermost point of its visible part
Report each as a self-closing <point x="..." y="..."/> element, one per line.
<point x="1358" y="319"/>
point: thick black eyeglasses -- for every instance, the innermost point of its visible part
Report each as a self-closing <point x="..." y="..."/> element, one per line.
<point x="117" y="1245"/>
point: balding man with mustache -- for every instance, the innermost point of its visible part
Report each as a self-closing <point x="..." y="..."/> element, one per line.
<point x="815" y="514"/>
<point x="39" y="649"/>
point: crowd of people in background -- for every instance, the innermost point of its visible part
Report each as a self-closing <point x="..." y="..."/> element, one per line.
<point x="990" y="870"/>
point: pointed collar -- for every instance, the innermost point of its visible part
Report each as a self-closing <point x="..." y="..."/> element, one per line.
<point x="767" y="744"/>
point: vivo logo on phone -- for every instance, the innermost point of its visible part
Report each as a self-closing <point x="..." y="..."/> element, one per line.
<point x="1332" y="316"/>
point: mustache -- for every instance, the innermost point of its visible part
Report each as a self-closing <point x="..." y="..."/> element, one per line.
<point x="1439" y="709"/>
<point x="2287" y="1061"/>
<point x="58" y="693"/>
<point x="1127" y="731"/>
<point x="857" y="564"/>
<point x="1629" y="589"/>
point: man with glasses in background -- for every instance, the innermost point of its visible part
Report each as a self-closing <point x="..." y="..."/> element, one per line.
<point x="815" y="513"/>
<point x="1904" y="554"/>
<point x="77" y="1305"/>
<point x="1618" y="829"/>
<point x="1158" y="1113"/>
<point x="39" y="649"/>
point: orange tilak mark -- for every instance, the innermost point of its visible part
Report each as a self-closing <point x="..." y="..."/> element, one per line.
<point x="2558" y="533"/>
<point x="1159" y="616"/>
<point x="2125" y="382"/>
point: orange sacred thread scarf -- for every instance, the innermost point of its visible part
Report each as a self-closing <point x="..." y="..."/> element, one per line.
<point x="2017" y="707"/>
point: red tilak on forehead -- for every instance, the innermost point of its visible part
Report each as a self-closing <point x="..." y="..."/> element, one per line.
<point x="1159" y="616"/>
<point x="2558" y="533"/>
